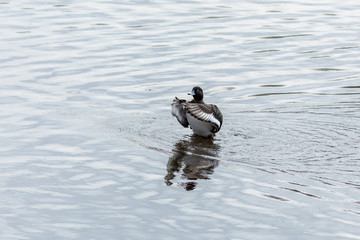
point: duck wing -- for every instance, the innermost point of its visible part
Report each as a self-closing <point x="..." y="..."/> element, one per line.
<point x="178" y="109"/>
<point x="207" y="113"/>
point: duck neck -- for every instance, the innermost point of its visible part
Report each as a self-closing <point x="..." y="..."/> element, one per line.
<point x="197" y="101"/>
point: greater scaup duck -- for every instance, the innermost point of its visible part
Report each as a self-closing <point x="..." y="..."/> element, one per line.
<point x="204" y="119"/>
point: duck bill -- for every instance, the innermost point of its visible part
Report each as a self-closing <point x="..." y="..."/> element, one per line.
<point x="192" y="93"/>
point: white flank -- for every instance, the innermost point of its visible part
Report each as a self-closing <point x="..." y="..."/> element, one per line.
<point x="214" y="120"/>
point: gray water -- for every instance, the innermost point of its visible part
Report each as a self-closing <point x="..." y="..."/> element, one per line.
<point x="89" y="149"/>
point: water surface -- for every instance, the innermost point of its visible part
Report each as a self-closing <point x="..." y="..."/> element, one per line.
<point x="89" y="149"/>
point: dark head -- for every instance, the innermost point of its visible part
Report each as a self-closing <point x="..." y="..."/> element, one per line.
<point x="197" y="93"/>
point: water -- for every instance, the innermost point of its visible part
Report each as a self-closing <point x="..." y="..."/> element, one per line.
<point x="89" y="149"/>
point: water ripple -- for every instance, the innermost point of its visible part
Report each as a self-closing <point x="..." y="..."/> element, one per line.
<point x="90" y="150"/>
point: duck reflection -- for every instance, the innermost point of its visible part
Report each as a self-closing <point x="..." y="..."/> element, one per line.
<point x="193" y="158"/>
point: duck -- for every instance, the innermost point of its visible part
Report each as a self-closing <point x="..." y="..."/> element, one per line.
<point x="204" y="119"/>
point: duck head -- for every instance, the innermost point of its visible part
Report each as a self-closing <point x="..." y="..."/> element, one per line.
<point x="197" y="93"/>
